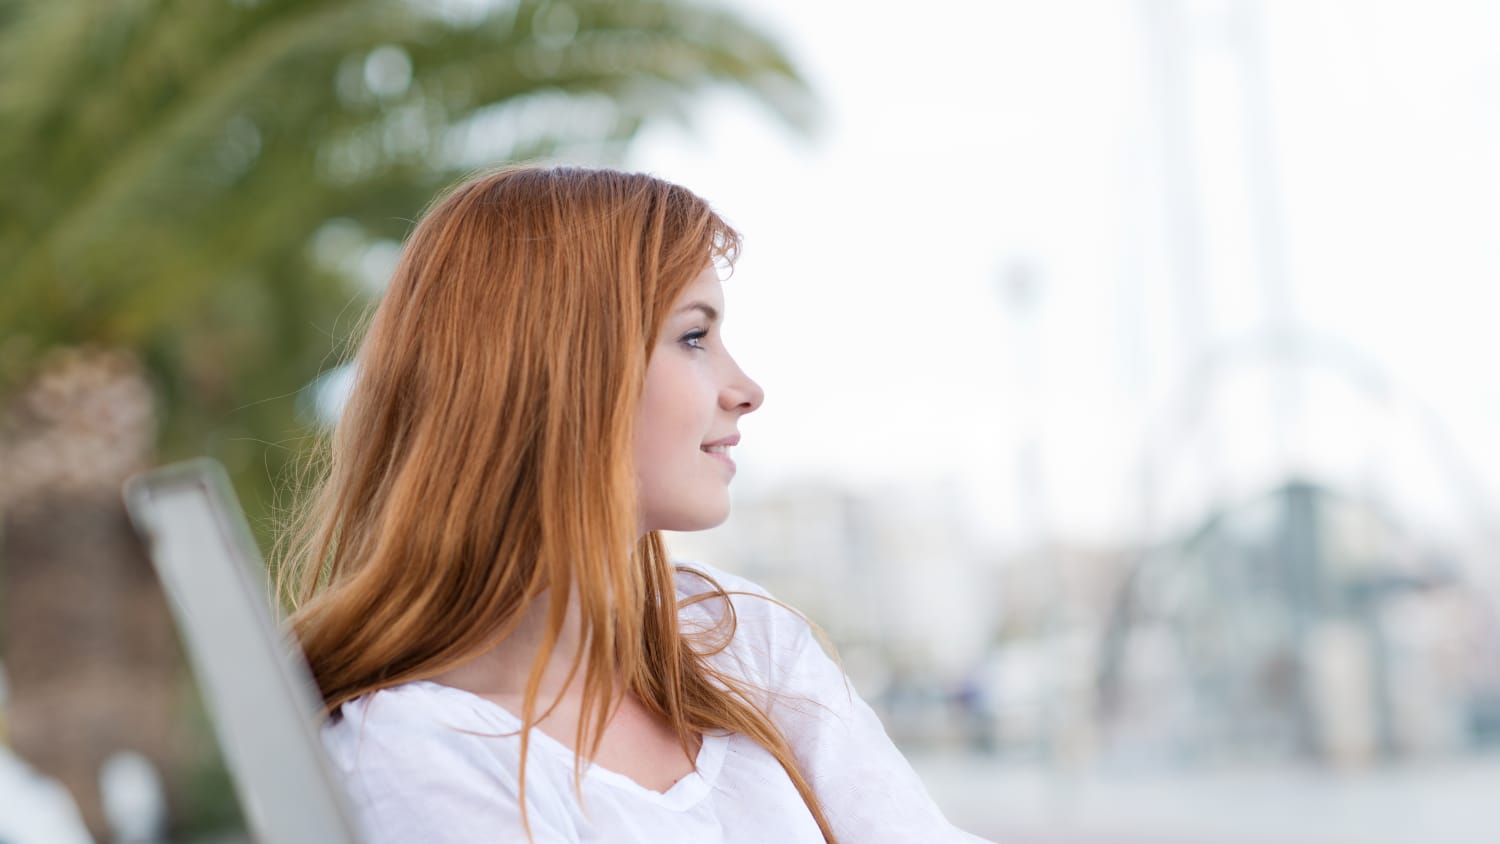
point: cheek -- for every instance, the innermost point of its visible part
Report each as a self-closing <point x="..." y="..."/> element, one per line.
<point x="677" y="400"/>
<point x="680" y="487"/>
<point x="666" y="420"/>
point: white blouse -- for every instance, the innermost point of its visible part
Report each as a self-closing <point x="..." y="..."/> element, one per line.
<point x="422" y="761"/>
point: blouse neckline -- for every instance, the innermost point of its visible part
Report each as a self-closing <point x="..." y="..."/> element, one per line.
<point x="683" y="794"/>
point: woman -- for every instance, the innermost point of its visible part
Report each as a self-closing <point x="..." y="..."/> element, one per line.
<point x="500" y="639"/>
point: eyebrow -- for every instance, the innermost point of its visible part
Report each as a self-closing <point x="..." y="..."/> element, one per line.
<point x="708" y="310"/>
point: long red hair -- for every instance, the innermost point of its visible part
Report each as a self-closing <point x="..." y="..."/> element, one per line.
<point x="484" y="457"/>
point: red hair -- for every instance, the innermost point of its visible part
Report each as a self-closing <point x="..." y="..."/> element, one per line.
<point x="484" y="457"/>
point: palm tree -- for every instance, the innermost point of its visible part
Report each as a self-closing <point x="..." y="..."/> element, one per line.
<point x="181" y="187"/>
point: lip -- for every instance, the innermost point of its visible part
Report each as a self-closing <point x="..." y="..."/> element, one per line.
<point x="721" y="457"/>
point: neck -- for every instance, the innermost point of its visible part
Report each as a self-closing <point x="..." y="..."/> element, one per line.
<point x="502" y="670"/>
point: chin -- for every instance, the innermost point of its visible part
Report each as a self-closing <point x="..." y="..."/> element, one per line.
<point x="687" y="520"/>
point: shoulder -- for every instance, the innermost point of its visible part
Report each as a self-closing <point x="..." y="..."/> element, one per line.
<point x="411" y="728"/>
<point x="706" y="593"/>
<point x="697" y="578"/>
<point x="740" y="624"/>
<point x="418" y="751"/>
<point x="420" y="709"/>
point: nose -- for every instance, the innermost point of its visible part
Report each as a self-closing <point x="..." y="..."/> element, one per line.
<point x="741" y="394"/>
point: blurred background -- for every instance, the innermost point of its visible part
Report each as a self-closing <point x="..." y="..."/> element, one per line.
<point x="1127" y="426"/>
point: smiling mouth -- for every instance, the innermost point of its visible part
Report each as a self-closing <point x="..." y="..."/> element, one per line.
<point x="721" y="454"/>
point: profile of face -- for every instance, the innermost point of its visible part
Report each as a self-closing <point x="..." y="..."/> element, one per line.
<point x="691" y="404"/>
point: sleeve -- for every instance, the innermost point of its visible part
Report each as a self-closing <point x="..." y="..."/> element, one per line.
<point x="440" y="786"/>
<point x="867" y="787"/>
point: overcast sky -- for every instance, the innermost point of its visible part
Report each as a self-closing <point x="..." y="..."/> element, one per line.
<point x="965" y="145"/>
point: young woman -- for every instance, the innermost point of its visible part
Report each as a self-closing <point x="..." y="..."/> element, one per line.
<point x="502" y="643"/>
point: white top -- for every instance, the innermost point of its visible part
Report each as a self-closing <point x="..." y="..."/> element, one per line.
<point x="419" y="767"/>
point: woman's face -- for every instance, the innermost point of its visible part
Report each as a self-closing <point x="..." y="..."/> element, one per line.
<point x="690" y="409"/>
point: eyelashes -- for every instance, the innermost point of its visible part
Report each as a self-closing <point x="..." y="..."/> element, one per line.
<point x="694" y="339"/>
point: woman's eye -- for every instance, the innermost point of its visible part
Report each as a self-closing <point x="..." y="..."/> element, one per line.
<point x="694" y="339"/>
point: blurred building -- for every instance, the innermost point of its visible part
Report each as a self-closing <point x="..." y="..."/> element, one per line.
<point x="1302" y="623"/>
<point x="893" y="575"/>
<point x="1299" y="625"/>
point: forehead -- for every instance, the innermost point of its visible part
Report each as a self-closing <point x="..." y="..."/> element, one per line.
<point x="705" y="288"/>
